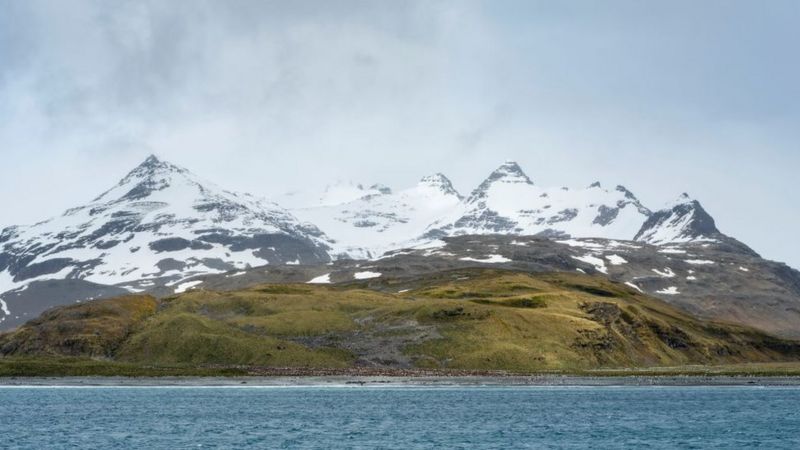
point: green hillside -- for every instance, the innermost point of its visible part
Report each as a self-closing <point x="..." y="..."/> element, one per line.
<point x="480" y="320"/>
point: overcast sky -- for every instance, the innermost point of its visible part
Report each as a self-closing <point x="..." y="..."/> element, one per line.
<point x="266" y="97"/>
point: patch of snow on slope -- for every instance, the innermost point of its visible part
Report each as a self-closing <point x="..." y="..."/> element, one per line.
<point x="598" y="263"/>
<point x="700" y="262"/>
<point x="7" y="282"/>
<point x="366" y="275"/>
<point x="427" y="245"/>
<point x="628" y="283"/>
<point x="672" y="290"/>
<point x="438" y="253"/>
<point x="582" y="244"/>
<point x="21" y="290"/>
<point x="667" y="273"/>
<point x="673" y="251"/>
<point x="183" y="287"/>
<point x="491" y="259"/>
<point x="322" y="279"/>
<point x="744" y="269"/>
<point x="616" y="260"/>
<point x="619" y="244"/>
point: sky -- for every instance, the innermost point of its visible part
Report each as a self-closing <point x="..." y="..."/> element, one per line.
<point x="266" y="97"/>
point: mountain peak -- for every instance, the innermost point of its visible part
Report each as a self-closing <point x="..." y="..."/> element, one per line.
<point x="682" y="200"/>
<point x="152" y="159"/>
<point x="628" y="194"/>
<point x="153" y="164"/>
<point x="153" y="174"/>
<point x="440" y="182"/>
<point x="683" y="220"/>
<point x="508" y="173"/>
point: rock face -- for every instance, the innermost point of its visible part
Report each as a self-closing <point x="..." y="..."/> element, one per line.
<point x="156" y="226"/>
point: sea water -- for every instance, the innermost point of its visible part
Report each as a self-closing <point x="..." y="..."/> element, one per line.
<point x="400" y="417"/>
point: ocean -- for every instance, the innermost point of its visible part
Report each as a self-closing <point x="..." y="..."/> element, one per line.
<point x="349" y="417"/>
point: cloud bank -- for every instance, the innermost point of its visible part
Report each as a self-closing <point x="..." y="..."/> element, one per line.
<point x="268" y="97"/>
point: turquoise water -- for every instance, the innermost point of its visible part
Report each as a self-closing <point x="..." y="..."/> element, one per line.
<point x="404" y="418"/>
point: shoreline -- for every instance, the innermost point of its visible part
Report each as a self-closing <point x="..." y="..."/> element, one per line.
<point x="405" y="381"/>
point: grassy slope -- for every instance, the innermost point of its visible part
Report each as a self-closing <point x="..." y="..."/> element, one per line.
<point x="471" y="319"/>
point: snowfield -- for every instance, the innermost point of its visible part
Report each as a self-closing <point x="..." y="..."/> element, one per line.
<point x="672" y="290"/>
<point x="366" y="275"/>
<point x="491" y="259"/>
<point x="616" y="260"/>
<point x="666" y="273"/>
<point x="598" y="263"/>
<point x="322" y="279"/>
<point x="183" y="287"/>
<point x="628" y="283"/>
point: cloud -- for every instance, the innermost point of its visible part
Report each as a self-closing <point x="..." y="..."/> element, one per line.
<point x="271" y="96"/>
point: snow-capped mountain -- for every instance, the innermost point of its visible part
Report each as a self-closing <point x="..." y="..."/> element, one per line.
<point x="508" y="202"/>
<point x="160" y="223"/>
<point x="684" y="220"/>
<point x="380" y="221"/>
<point x="333" y="194"/>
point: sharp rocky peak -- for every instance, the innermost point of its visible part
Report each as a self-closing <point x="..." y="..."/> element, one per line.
<point x="685" y="203"/>
<point x="625" y="191"/>
<point x="508" y="173"/>
<point x="153" y="165"/>
<point x="153" y="174"/>
<point x="439" y="181"/>
<point x="685" y="219"/>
